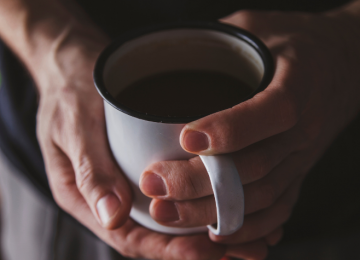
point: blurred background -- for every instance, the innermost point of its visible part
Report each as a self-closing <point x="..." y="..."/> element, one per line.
<point x="325" y="224"/>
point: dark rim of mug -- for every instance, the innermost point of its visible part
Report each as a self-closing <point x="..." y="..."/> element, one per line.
<point x="215" y="26"/>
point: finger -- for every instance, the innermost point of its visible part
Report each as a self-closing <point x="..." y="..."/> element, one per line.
<point x="159" y="246"/>
<point x="260" y="159"/>
<point x="176" y="180"/>
<point x="108" y="197"/>
<point x="62" y="181"/>
<point x="188" y="179"/>
<point x="258" y="195"/>
<point x="248" y="20"/>
<point x="256" y="250"/>
<point x="101" y="182"/>
<point x="265" y="192"/>
<point x="131" y="239"/>
<point x="274" y="237"/>
<point x="268" y="113"/>
<point x="97" y="176"/>
<point x="262" y="223"/>
<point x="191" y="213"/>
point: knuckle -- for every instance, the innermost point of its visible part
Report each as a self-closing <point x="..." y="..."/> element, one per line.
<point x="85" y="174"/>
<point x="80" y="107"/>
<point x="180" y="184"/>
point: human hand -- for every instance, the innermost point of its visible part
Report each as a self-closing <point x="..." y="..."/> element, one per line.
<point x="275" y="137"/>
<point x="84" y="178"/>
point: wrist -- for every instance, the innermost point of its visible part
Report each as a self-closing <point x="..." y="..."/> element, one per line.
<point x="70" y="55"/>
<point x="45" y="34"/>
<point x="56" y="45"/>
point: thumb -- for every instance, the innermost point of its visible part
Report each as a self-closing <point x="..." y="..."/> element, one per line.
<point x="97" y="175"/>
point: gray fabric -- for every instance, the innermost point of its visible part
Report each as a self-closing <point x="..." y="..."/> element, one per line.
<point x="74" y="244"/>
<point x="34" y="229"/>
<point x="28" y="221"/>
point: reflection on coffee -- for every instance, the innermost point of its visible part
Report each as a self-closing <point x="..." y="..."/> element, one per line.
<point x="184" y="93"/>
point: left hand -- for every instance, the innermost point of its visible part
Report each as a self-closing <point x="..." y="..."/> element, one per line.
<point x="275" y="137"/>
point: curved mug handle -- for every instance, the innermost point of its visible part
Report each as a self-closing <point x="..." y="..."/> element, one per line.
<point x="228" y="193"/>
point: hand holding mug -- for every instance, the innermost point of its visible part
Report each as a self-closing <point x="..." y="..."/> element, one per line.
<point x="279" y="134"/>
<point x="79" y="164"/>
<point x="144" y="124"/>
<point x="80" y="167"/>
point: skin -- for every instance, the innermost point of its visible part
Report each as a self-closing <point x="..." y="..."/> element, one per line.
<point x="275" y="137"/>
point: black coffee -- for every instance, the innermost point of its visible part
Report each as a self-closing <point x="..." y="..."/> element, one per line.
<point x="184" y="93"/>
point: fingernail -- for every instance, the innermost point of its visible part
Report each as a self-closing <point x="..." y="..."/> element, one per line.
<point x="107" y="207"/>
<point x="166" y="211"/>
<point x="153" y="185"/>
<point x="195" y="141"/>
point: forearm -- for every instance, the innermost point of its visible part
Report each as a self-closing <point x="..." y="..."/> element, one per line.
<point x="35" y="29"/>
<point x="349" y="12"/>
<point x="353" y="9"/>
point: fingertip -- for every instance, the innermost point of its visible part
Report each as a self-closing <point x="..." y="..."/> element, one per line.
<point x="164" y="212"/>
<point x="152" y="184"/>
<point x="109" y="211"/>
<point x="107" y="208"/>
<point x="218" y="238"/>
<point x="194" y="141"/>
<point x="113" y="209"/>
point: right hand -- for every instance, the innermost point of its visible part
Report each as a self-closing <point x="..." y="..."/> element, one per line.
<point x="275" y="137"/>
<point x="84" y="178"/>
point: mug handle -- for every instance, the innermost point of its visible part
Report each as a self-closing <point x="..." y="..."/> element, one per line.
<point x="228" y="193"/>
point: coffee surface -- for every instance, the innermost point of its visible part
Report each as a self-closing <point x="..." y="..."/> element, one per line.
<point x="184" y="93"/>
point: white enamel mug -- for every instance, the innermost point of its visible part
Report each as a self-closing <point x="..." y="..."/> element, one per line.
<point x="139" y="139"/>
